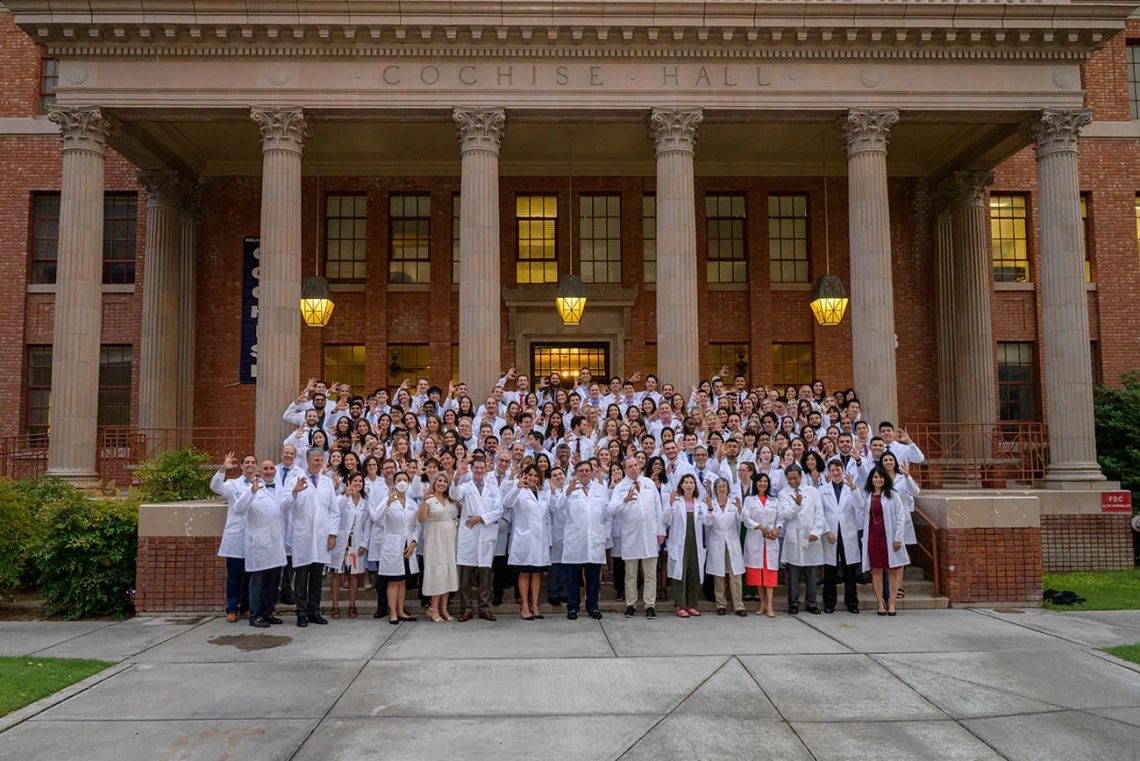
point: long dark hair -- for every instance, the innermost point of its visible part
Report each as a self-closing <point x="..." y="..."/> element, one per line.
<point x="756" y="484"/>
<point x="888" y="486"/>
<point x="664" y="476"/>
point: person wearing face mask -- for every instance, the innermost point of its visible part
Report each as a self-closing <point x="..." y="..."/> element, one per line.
<point x="261" y="508"/>
<point x="397" y="561"/>
<point x="233" y="535"/>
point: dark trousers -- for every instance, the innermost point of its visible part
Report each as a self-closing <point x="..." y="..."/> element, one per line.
<point x="573" y="584"/>
<point x="556" y="582"/>
<point x="619" y="575"/>
<point x="502" y="577"/>
<point x="262" y="593"/>
<point x="381" y="588"/>
<point x="287" y="577"/>
<point x="307" y="588"/>
<point x="237" y="592"/>
<point x="832" y="574"/>
<point x="809" y="573"/>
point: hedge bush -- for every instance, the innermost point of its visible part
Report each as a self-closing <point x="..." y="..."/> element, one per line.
<point x="15" y="530"/>
<point x="176" y="475"/>
<point x="1118" y="433"/>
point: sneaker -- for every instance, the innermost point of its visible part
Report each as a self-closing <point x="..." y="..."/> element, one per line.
<point x="274" y="620"/>
<point x="259" y="623"/>
<point x="595" y="614"/>
<point x="650" y="613"/>
<point x="630" y="612"/>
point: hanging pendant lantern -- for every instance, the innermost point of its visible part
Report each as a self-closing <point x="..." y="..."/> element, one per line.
<point x="316" y="302"/>
<point x="829" y="300"/>
<point x="571" y="299"/>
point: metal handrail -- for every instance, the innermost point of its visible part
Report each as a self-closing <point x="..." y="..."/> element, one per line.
<point x="932" y="552"/>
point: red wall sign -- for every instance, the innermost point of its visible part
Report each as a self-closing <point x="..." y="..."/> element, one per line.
<point x="1116" y="502"/>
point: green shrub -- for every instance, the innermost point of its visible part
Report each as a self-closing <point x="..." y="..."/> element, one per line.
<point x="1118" y="433"/>
<point x="176" y="475"/>
<point x="84" y="551"/>
<point x="15" y="530"/>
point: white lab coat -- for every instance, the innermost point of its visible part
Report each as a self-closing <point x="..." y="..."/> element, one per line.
<point x="907" y="489"/>
<point x="582" y="446"/>
<point x="377" y="493"/>
<point x="676" y="523"/>
<point x="476" y="546"/>
<point x="724" y="531"/>
<point x="400" y="530"/>
<point x="264" y="540"/>
<point x="586" y="521"/>
<point x="894" y="521"/>
<point x="354" y="522"/>
<point x="530" y="544"/>
<point x="555" y="524"/>
<point x="843" y="520"/>
<point x="642" y="519"/>
<point x="759" y="515"/>
<point x="505" y="486"/>
<point x="801" y="522"/>
<point x="287" y="515"/>
<point x="316" y="517"/>
<point x="233" y="535"/>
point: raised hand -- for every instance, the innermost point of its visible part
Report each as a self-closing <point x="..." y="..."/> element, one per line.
<point x="230" y="462"/>
<point x="798" y="499"/>
<point x="300" y="486"/>
<point x="256" y="487"/>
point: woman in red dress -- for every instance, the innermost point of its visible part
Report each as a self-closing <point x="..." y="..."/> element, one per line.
<point x="884" y="522"/>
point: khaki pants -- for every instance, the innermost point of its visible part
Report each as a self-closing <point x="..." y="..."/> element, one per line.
<point x="470" y="576"/>
<point x="733" y="585"/>
<point x="649" y="589"/>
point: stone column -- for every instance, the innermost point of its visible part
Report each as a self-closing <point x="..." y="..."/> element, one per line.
<point x="187" y="306"/>
<point x="678" y="344"/>
<point x="1064" y="304"/>
<point x="872" y="298"/>
<point x="480" y="290"/>
<point x="78" y="294"/>
<point x="975" y="387"/>
<point x="158" y="350"/>
<point x="283" y="133"/>
<point x="944" y="307"/>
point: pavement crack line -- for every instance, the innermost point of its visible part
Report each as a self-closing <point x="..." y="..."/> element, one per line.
<point x="995" y="617"/>
<point x="606" y="634"/>
<point x="69" y="639"/>
<point x="775" y="707"/>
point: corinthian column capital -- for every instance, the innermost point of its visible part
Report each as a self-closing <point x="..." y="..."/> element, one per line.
<point x="968" y="188"/>
<point x="82" y="128"/>
<point x="480" y="129"/>
<point x="1056" y="129"/>
<point x="162" y="186"/>
<point x="674" y="129"/>
<point x="867" y="130"/>
<point x="282" y="129"/>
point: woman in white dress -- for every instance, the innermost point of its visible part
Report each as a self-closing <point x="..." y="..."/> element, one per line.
<point x="439" y="515"/>
<point x="351" y="543"/>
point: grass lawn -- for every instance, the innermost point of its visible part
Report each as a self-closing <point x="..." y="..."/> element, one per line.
<point x="1104" y="590"/>
<point x="25" y="680"/>
<point x="1125" y="652"/>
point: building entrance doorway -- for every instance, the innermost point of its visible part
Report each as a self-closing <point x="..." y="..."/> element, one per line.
<point x="568" y="359"/>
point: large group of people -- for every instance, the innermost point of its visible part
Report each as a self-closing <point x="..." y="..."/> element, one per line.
<point x="627" y="479"/>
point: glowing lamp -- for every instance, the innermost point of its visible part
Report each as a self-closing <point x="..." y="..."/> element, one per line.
<point x="571" y="299"/>
<point x="829" y="300"/>
<point x="316" y="302"/>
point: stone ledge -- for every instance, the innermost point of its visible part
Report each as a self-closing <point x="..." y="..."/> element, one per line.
<point x="200" y="518"/>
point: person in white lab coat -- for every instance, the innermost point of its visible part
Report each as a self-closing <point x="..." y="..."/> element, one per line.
<point x="761" y="516"/>
<point x="841" y="553"/>
<point x="530" y="540"/>
<point x="281" y="475"/>
<point x="351" y="543"/>
<point x="884" y="524"/>
<point x="724" y="559"/>
<point x="804" y="526"/>
<point x="501" y="574"/>
<point x="233" y="535"/>
<point x="397" y="559"/>
<point x="636" y="502"/>
<point x="685" y="518"/>
<point x="584" y="505"/>
<point x="482" y="506"/>
<point x="262" y="511"/>
<point x="311" y="496"/>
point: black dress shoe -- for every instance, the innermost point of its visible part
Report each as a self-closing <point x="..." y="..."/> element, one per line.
<point x="302" y="621"/>
<point x="721" y="611"/>
<point x="742" y="613"/>
<point x="595" y="614"/>
<point x="379" y="613"/>
<point x="317" y="618"/>
<point x="829" y="609"/>
<point x="259" y="623"/>
<point x="274" y="620"/>
<point x="814" y="611"/>
<point x="630" y="612"/>
<point x="572" y="615"/>
<point x="650" y="613"/>
<point x="853" y="609"/>
<point x="497" y="600"/>
<point x="793" y="611"/>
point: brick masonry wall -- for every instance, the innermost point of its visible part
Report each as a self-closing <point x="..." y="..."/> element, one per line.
<point x="1086" y="543"/>
<point x="986" y="565"/>
<point x="180" y="574"/>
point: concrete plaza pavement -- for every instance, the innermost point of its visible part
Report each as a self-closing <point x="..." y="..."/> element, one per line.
<point x="941" y="684"/>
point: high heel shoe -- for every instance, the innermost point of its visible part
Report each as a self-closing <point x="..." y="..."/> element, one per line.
<point x="335" y="611"/>
<point x="433" y="614"/>
<point x="352" y="611"/>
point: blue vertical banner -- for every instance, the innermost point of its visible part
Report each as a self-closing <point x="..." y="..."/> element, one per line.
<point x="251" y="256"/>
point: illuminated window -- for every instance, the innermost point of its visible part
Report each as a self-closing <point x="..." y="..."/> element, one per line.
<point x="345" y="364"/>
<point x="650" y="360"/>
<point x="409" y="239"/>
<point x="1008" y="238"/>
<point x="791" y="364"/>
<point x="787" y="238"/>
<point x="649" y="238"/>
<point x="49" y="78"/>
<point x="45" y="236"/>
<point x="346" y="238"/>
<point x="120" y="219"/>
<point x="1086" y="238"/>
<point x="1134" y="79"/>
<point x="568" y="360"/>
<point x="115" y="385"/>
<point x="408" y="362"/>
<point x="455" y="364"/>
<point x="599" y="245"/>
<point x="455" y="238"/>
<point x="734" y="356"/>
<point x="537" y="218"/>
<point x="38" y="390"/>
<point x="1015" y="381"/>
<point x="724" y="224"/>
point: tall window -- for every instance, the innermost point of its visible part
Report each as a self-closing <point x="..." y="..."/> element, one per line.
<point x="734" y="356"/>
<point x="568" y="360"/>
<point x="787" y="238"/>
<point x="599" y="244"/>
<point x="409" y="239"/>
<point x="49" y="78"/>
<point x="791" y="364"/>
<point x="120" y="219"/>
<point x="649" y="238"/>
<point x="724" y="224"/>
<point x="1015" y="381"/>
<point x="39" y="390"/>
<point x="1008" y="238"/>
<point x="1086" y="239"/>
<point x="408" y="362"/>
<point x="1134" y="79"/>
<point x="114" y="385"/>
<point x="45" y="236"/>
<point x="537" y="218"/>
<point x="345" y="364"/>
<point x="346" y="238"/>
<point x="455" y="238"/>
